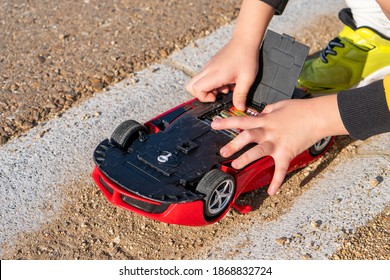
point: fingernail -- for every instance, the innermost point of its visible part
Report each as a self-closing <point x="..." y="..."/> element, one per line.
<point x="241" y="107"/>
<point x="272" y="191"/>
<point x="236" y="164"/>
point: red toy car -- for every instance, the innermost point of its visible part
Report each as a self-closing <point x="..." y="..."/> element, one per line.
<point x="169" y="169"/>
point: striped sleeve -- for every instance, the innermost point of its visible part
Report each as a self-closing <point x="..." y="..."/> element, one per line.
<point x="365" y="111"/>
<point x="278" y="5"/>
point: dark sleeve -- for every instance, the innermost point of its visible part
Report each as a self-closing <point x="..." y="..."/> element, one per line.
<point x="278" y="5"/>
<point x="364" y="111"/>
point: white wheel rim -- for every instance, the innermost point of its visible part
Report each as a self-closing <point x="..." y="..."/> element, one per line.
<point x="322" y="143"/>
<point x="221" y="196"/>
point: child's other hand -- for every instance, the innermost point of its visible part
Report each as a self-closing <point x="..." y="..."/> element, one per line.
<point x="283" y="130"/>
<point x="233" y="68"/>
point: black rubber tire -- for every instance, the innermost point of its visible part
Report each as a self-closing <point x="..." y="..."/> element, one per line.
<point x="219" y="189"/>
<point x="126" y="133"/>
<point x="319" y="147"/>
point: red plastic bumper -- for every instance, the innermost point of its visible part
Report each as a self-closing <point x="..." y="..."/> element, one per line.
<point x="189" y="213"/>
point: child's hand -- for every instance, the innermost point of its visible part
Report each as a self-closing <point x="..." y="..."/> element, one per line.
<point x="233" y="68"/>
<point x="283" y="130"/>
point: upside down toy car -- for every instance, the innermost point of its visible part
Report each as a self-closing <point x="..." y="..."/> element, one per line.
<point x="169" y="169"/>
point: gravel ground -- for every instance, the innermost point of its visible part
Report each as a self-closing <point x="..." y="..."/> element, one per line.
<point x="54" y="55"/>
<point x="371" y="242"/>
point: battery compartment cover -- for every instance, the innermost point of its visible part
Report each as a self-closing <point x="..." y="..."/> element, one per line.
<point x="280" y="64"/>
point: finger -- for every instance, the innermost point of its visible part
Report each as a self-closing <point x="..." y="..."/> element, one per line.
<point x="249" y="156"/>
<point x="204" y="87"/>
<point x="246" y="122"/>
<point x="281" y="168"/>
<point x="239" y="142"/>
<point x="197" y="77"/>
<point x="240" y="93"/>
<point x="224" y="89"/>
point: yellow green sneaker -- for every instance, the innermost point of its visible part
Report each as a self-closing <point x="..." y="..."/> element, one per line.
<point x="357" y="57"/>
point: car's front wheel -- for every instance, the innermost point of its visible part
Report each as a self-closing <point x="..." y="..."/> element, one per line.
<point x="219" y="189"/>
<point x="126" y="133"/>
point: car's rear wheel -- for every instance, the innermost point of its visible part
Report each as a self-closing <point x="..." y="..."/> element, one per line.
<point x="218" y="188"/>
<point x="319" y="147"/>
<point x="126" y="133"/>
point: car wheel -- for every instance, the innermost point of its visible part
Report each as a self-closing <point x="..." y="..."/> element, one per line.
<point x="320" y="146"/>
<point x="126" y="133"/>
<point x="218" y="188"/>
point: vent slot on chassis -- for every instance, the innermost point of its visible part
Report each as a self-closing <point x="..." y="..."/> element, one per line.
<point x="145" y="206"/>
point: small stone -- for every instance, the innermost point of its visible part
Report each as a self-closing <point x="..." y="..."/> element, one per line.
<point x="41" y="133"/>
<point x="163" y="53"/>
<point x="36" y="85"/>
<point x="95" y="80"/>
<point x="41" y="58"/>
<point x="116" y="240"/>
<point x="108" y="79"/>
<point x="281" y="240"/>
<point x="14" y="87"/>
<point x="376" y="181"/>
<point x="97" y="86"/>
<point x="306" y="257"/>
<point x="316" y="224"/>
<point x="50" y="106"/>
<point x="134" y="80"/>
<point x="64" y="74"/>
<point x="63" y="36"/>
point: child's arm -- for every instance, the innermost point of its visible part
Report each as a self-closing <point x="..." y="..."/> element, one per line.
<point x="385" y="5"/>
